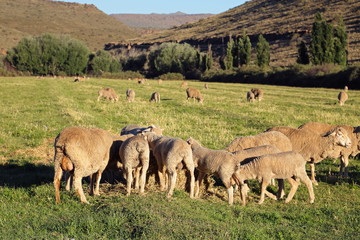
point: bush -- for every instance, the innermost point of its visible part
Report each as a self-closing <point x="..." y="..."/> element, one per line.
<point x="122" y="75"/>
<point x="171" y="76"/>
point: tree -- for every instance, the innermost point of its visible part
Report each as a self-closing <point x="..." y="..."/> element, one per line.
<point x="317" y="39"/>
<point x="101" y="62"/>
<point x="262" y="52"/>
<point x="340" y="44"/>
<point x="303" y="56"/>
<point x="229" y="54"/>
<point x="244" y="50"/>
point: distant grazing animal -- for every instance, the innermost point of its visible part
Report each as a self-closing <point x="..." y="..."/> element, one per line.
<point x="155" y="97"/>
<point x="346" y="88"/>
<point x="81" y="152"/>
<point x="160" y="81"/>
<point x="258" y="93"/>
<point x="130" y="95"/>
<point x="108" y="94"/>
<point x="195" y="94"/>
<point x="141" y="81"/>
<point x="206" y="86"/>
<point x="80" y="79"/>
<point x="250" y="96"/>
<point x="342" y="98"/>
<point x="184" y="84"/>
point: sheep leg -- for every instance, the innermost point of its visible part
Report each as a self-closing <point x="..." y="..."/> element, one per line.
<point x="270" y="195"/>
<point x="305" y="179"/>
<point x="264" y="184"/>
<point x="230" y="193"/>
<point x="294" y="186"/>
<point x="98" y="178"/>
<point x="173" y="175"/>
<point x="57" y="177"/>
<point x="281" y="189"/>
<point x="344" y="166"/>
<point x="92" y="184"/>
<point x="68" y="180"/>
<point x="312" y="168"/>
<point x="144" y="169"/>
<point x="78" y="188"/>
<point x="137" y="177"/>
<point x="198" y="183"/>
<point x="129" y="179"/>
<point x="189" y="162"/>
<point x="161" y="177"/>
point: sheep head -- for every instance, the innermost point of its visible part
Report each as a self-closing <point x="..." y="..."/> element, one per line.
<point x="340" y="135"/>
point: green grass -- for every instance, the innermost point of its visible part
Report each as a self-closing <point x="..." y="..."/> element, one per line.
<point x="33" y="111"/>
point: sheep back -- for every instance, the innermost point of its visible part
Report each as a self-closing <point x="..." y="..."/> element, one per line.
<point x="194" y="93"/>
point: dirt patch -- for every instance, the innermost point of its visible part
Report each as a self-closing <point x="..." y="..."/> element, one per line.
<point x="43" y="154"/>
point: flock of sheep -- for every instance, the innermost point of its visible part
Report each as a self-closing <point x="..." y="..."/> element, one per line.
<point x="277" y="153"/>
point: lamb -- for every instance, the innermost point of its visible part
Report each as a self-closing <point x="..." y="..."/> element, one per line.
<point x="80" y="79"/>
<point x="130" y="95"/>
<point x="134" y="153"/>
<point x="135" y="129"/>
<point x="170" y="152"/>
<point x="250" y="96"/>
<point x="195" y="94"/>
<point x="208" y="161"/>
<point x="341" y="152"/>
<point x="206" y="86"/>
<point x="274" y="138"/>
<point x="81" y="152"/>
<point x="107" y="93"/>
<point x="155" y="97"/>
<point x="314" y="147"/>
<point x="283" y="165"/>
<point x="258" y="93"/>
<point x="342" y="98"/>
<point x="184" y="84"/>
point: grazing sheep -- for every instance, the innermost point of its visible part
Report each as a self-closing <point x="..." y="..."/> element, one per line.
<point x="342" y="98"/>
<point x="195" y="94"/>
<point x="134" y="153"/>
<point x="341" y="152"/>
<point x="160" y="81"/>
<point x="184" y="84"/>
<point x="346" y="88"/>
<point x="284" y="165"/>
<point x="208" y="161"/>
<point x="206" y="86"/>
<point x="250" y="96"/>
<point x="258" y="93"/>
<point x="130" y="95"/>
<point x="80" y="79"/>
<point x="313" y="146"/>
<point x="135" y="129"/>
<point x="274" y="138"/>
<point x="81" y="152"/>
<point x="108" y="94"/>
<point x="155" y="97"/>
<point x="170" y="152"/>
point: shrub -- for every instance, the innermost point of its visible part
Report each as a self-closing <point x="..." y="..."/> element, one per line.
<point x="171" y="76"/>
<point x="122" y="75"/>
<point x="262" y="52"/>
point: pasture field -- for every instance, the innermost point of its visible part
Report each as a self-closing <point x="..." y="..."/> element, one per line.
<point x="33" y="111"/>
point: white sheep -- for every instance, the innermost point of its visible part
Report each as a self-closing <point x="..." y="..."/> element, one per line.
<point x="130" y="95"/>
<point x="250" y="96"/>
<point x="314" y="147"/>
<point x="81" y="152"/>
<point x="194" y="94"/>
<point x="80" y="79"/>
<point x="155" y="97"/>
<point x="169" y="152"/>
<point x="135" y="129"/>
<point x="107" y="93"/>
<point x="219" y="162"/>
<point x="284" y="165"/>
<point x="342" y="98"/>
<point x="134" y="153"/>
<point x="206" y="86"/>
<point x="341" y="152"/>
<point x="258" y="93"/>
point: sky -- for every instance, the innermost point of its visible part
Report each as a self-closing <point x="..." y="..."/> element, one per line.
<point x="162" y="6"/>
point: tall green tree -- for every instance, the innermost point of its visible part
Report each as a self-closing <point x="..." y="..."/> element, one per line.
<point x="244" y="50"/>
<point x="229" y="62"/>
<point x="317" y="40"/>
<point x="303" y="56"/>
<point x="262" y="52"/>
<point x="340" y="44"/>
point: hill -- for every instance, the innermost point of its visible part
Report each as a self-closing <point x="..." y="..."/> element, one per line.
<point x="284" y="23"/>
<point x="158" y="21"/>
<point x="21" y="18"/>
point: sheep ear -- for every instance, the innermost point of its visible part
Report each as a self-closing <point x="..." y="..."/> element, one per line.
<point x="189" y="140"/>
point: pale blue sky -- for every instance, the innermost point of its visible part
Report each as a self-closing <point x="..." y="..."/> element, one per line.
<point x="162" y="6"/>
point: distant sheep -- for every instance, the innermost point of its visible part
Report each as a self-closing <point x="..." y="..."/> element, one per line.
<point x="208" y="161"/>
<point x="195" y="94"/>
<point x="342" y="98"/>
<point x="160" y="81"/>
<point x="81" y="152"/>
<point x="169" y="152"/>
<point x="346" y="88"/>
<point x="155" y="97"/>
<point x="250" y="96"/>
<point x="284" y="165"/>
<point x="130" y="95"/>
<point x="184" y="84"/>
<point x="206" y="86"/>
<point x="134" y="153"/>
<point x="258" y="93"/>
<point x="341" y="152"/>
<point x="314" y="147"/>
<point x="141" y="81"/>
<point x="80" y="79"/>
<point x="135" y="129"/>
<point x="108" y="94"/>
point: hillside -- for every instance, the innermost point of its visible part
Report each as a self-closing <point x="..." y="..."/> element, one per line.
<point x="21" y="18"/>
<point x="285" y="23"/>
<point x="158" y="21"/>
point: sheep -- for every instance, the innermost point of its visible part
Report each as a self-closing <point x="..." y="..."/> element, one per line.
<point x="141" y="81"/>
<point x="283" y="165"/>
<point x="250" y="96"/>
<point x="81" y="152"/>
<point x="170" y="152"/>
<point x="206" y="86"/>
<point x="135" y="129"/>
<point x="160" y="81"/>
<point x="130" y="95"/>
<point x="342" y="98"/>
<point x="258" y="93"/>
<point x="342" y="153"/>
<point x="135" y="153"/>
<point x="155" y="97"/>
<point x="274" y="138"/>
<point x="346" y="88"/>
<point x="313" y="146"/>
<point x="80" y="79"/>
<point x="195" y="94"/>
<point x="107" y="93"/>
<point x="208" y="161"/>
<point x="183" y="84"/>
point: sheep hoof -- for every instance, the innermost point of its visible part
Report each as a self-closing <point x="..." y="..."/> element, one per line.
<point x="315" y="182"/>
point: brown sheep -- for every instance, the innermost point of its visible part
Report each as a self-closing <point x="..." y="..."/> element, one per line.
<point x="206" y="86"/>
<point x="314" y="147"/>
<point x="108" y="94"/>
<point x="155" y="97"/>
<point x="342" y="98"/>
<point x="250" y="96"/>
<point x="81" y="152"/>
<point x="195" y="94"/>
<point x="184" y="84"/>
<point x="341" y="152"/>
<point x="258" y="93"/>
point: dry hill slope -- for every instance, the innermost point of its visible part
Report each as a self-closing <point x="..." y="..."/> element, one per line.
<point x="283" y="22"/>
<point x="20" y="18"/>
